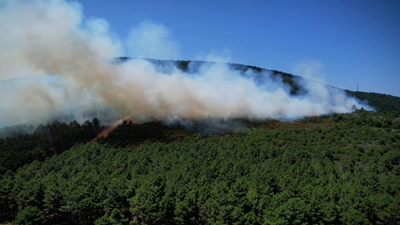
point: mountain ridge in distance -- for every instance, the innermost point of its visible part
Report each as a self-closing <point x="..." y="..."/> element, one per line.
<point x="379" y="101"/>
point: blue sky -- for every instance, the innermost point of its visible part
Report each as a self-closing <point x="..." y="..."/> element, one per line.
<point x="350" y="41"/>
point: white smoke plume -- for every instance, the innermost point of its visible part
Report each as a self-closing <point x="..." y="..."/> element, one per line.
<point x="67" y="64"/>
<point x="150" y="40"/>
<point x="224" y="55"/>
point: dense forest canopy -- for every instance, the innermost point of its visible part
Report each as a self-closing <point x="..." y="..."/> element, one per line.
<point x="338" y="169"/>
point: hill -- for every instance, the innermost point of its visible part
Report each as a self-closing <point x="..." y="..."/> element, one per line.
<point x="380" y="102"/>
<point x="334" y="169"/>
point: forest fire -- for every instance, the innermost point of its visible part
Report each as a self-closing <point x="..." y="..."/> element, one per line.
<point x="129" y="122"/>
<point x="106" y="131"/>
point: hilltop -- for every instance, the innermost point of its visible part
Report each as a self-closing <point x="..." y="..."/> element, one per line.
<point x="380" y="102"/>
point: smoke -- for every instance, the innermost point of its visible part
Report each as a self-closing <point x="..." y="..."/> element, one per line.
<point x="320" y="92"/>
<point x="149" y="40"/>
<point x="54" y="61"/>
<point x="224" y="55"/>
<point x="310" y="69"/>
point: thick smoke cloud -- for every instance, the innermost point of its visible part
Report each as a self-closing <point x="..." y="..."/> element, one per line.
<point x="67" y="67"/>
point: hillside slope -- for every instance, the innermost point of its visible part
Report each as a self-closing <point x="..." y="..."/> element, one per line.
<point x="335" y="169"/>
<point x="339" y="169"/>
<point x="380" y="102"/>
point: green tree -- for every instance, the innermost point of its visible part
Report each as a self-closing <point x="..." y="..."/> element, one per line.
<point x="114" y="218"/>
<point x="30" y="216"/>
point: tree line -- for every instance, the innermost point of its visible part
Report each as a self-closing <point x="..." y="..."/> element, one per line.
<point x="19" y="146"/>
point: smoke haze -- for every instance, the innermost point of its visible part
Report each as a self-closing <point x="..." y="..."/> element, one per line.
<point x="54" y="61"/>
<point x="150" y="40"/>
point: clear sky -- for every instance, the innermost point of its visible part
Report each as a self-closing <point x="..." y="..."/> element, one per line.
<point x="351" y="40"/>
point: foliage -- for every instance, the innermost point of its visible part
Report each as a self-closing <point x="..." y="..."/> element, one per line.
<point x="45" y="141"/>
<point x="380" y="102"/>
<point x="338" y="169"/>
<point x="30" y="216"/>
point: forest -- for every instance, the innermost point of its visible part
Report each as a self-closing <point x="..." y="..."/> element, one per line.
<point x="335" y="169"/>
<point x="332" y="169"/>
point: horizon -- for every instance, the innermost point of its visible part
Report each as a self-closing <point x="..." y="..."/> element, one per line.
<point x="346" y="42"/>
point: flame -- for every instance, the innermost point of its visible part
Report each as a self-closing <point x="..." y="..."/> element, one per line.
<point x="129" y="122"/>
<point x="106" y="131"/>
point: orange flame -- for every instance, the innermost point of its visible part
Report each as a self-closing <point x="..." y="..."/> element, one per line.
<point x="106" y="131"/>
<point x="129" y="122"/>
